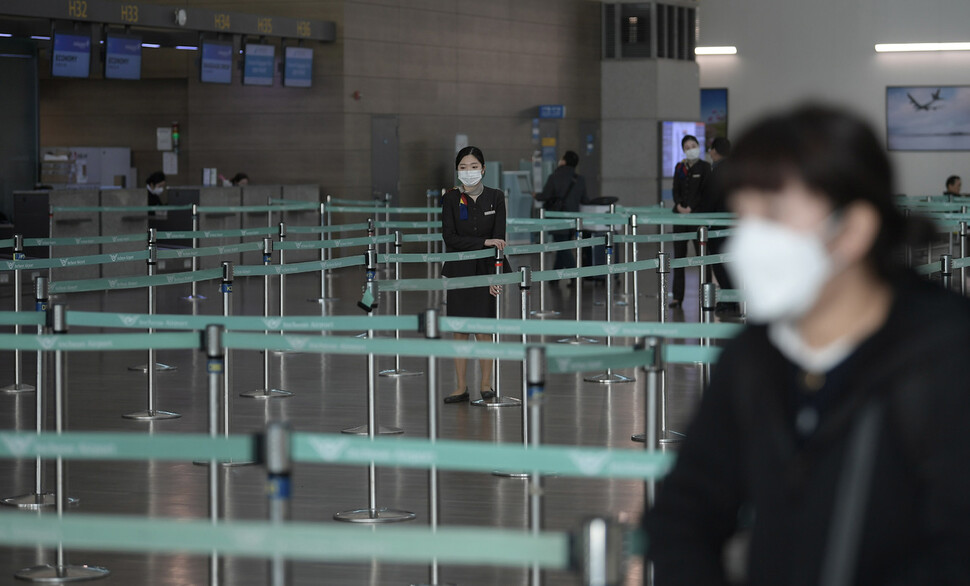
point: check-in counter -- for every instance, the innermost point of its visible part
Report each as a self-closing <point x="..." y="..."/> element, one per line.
<point x="259" y="195"/>
<point x="75" y="225"/>
<point x="116" y="223"/>
<point x="311" y="217"/>
<point x="220" y="196"/>
<point x="30" y="212"/>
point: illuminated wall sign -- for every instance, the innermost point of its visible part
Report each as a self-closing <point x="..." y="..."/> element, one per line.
<point x="298" y="67"/>
<point x="216" y="62"/>
<point x="122" y="57"/>
<point x="71" y="56"/>
<point x="259" y="64"/>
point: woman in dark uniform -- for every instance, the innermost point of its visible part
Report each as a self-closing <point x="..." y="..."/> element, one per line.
<point x="472" y="218"/>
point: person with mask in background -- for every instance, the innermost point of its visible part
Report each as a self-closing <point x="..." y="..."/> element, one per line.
<point x="714" y="203"/>
<point x="690" y="181"/>
<point x="564" y="191"/>
<point x="953" y="186"/>
<point x="834" y="430"/>
<point x="239" y="180"/>
<point x="155" y="185"/>
<point x="472" y="218"/>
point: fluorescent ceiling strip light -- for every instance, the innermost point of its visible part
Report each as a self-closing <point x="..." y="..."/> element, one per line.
<point x="151" y="46"/>
<point x="907" y="47"/>
<point x="187" y="47"/>
<point x="5" y="35"/>
<point x="40" y="38"/>
<point x="730" y="50"/>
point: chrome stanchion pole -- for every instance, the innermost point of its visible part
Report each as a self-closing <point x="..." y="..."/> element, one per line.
<point x="702" y="248"/>
<point x="578" y="286"/>
<point x="61" y="571"/>
<point x="663" y="270"/>
<point x="282" y="274"/>
<point x="152" y="264"/>
<point x="963" y="256"/>
<point x="372" y="514"/>
<point x="217" y="370"/>
<point x="429" y="199"/>
<point x="636" y="274"/>
<point x="194" y="295"/>
<point x="498" y="400"/>
<point x="525" y="298"/>
<point x="708" y="305"/>
<point x="542" y="311"/>
<point x="397" y="370"/>
<point x="626" y="256"/>
<point x="151" y="413"/>
<point x="609" y="377"/>
<point x="600" y="552"/>
<point x="616" y="298"/>
<point x="50" y="245"/>
<point x="946" y="271"/>
<point x="267" y="392"/>
<point x="18" y="386"/>
<point x="324" y="297"/>
<point x="276" y="455"/>
<point x="651" y="442"/>
<point x="387" y="232"/>
<point x="536" y="369"/>
<point x="371" y="291"/>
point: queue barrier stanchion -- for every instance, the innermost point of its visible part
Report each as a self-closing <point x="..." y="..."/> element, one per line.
<point x="946" y="271"/>
<point x="702" y="251"/>
<point x="708" y="306"/>
<point x="279" y="465"/>
<point x="609" y="377"/>
<point x="282" y="234"/>
<point x="151" y="412"/>
<point x="654" y="372"/>
<point x="627" y="277"/>
<point x="599" y="549"/>
<point x="535" y="358"/>
<point x="194" y="294"/>
<point x="371" y="296"/>
<point x="525" y="295"/>
<point x="497" y="400"/>
<point x="372" y="513"/>
<point x="636" y="274"/>
<point x="267" y="392"/>
<point x="38" y="498"/>
<point x="397" y="371"/>
<point x="663" y="272"/>
<point x="18" y="386"/>
<point x="61" y="571"/>
<point x="577" y="338"/>
<point x="216" y="373"/>
<point x="324" y="296"/>
<point x="542" y="311"/>
<point x="152" y="264"/>
<point x="387" y="231"/>
<point x="619" y="299"/>
<point x="963" y="255"/>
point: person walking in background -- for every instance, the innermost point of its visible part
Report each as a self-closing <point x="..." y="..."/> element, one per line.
<point x="715" y="203"/>
<point x="953" y="186"/>
<point x="564" y="191"/>
<point x="690" y="181"/>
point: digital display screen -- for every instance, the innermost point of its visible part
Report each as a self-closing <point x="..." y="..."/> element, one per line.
<point x="671" y="133"/>
<point x="258" y="69"/>
<point x="122" y="58"/>
<point x="298" y="67"/>
<point x="71" y="56"/>
<point x="216" y="64"/>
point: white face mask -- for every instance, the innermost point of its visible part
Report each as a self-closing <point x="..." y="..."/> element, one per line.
<point x="693" y="154"/>
<point x="470" y="177"/>
<point x="157" y="190"/>
<point x="782" y="269"/>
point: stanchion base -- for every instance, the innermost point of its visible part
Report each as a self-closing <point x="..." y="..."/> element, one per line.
<point x="671" y="437"/>
<point x="159" y="367"/>
<point x="498" y="401"/>
<point x="381" y="515"/>
<point x="264" y="394"/>
<point x="577" y="340"/>
<point x="435" y="584"/>
<point x="608" y="378"/>
<point x="323" y="300"/>
<point x="151" y="415"/>
<point x="381" y="430"/>
<point x="54" y="574"/>
<point x="21" y="388"/>
<point x="34" y="501"/>
<point x="549" y="313"/>
<point x="226" y="463"/>
<point x="396" y="373"/>
<point x="193" y="298"/>
<point x="511" y="474"/>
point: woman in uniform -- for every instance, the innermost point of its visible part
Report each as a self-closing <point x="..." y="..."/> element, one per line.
<point x="472" y="218"/>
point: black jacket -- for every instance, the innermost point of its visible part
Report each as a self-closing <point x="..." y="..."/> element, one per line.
<point x="742" y="448"/>
<point x="564" y="190"/>
<point x="486" y="220"/>
<point x="690" y="184"/>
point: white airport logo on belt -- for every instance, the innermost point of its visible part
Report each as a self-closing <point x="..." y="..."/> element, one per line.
<point x="589" y="464"/>
<point x="18" y="446"/>
<point x="129" y="319"/>
<point x="329" y="450"/>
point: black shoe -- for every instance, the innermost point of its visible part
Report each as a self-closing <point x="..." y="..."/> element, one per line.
<point x="674" y="304"/>
<point x="457" y="398"/>
<point x="486" y="395"/>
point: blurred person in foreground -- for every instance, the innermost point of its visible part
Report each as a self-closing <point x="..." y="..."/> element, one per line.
<point x="836" y="429"/>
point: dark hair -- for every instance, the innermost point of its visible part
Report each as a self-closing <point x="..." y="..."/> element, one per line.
<point x="155" y="178"/>
<point x="688" y="137"/>
<point x="952" y="180"/>
<point x="570" y="158"/>
<point x="721" y="146"/>
<point x="238" y="177"/>
<point x="470" y="150"/>
<point x="834" y="153"/>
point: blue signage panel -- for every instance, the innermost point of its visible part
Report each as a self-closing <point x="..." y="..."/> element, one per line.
<point x="259" y="64"/>
<point x="122" y="58"/>
<point x="71" y="56"/>
<point x="216" y="62"/>
<point x="298" y="67"/>
<point x="552" y="111"/>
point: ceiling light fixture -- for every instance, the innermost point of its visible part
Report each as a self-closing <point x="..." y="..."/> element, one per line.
<point x="727" y="50"/>
<point x="911" y="47"/>
<point x="187" y="47"/>
<point x="151" y="46"/>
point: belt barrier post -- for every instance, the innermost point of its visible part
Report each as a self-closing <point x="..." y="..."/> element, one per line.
<point x="578" y="339"/>
<point x="702" y="251"/>
<point x="324" y="297"/>
<point x="599" y="550"/>
<point x="61" y="571"/>
<point x="946" y="271"/>
<point x="498" y="400"/>
<point x="542" y="311"/>
<point x="151" y="413"/>
<point x="524" y="302"/>
<point x="626" y="277"/>
<point x="536" y="373"/>
<point x="609" y="376"/>
<point x="282" y="275"/>
<point x="654" y="425"/>
<point x="387" y="232"/>
<point x="397" y="370"/>
<point x="50" y="247"/>
<point x="963" y="255"/>
<point x="267" y="392"/>
<point x="194" y="295"/>
<point x="216" y="369"/>
<point x="663" y="270"/>
<point x="279" y="465"/>
<point x="429" y="201"/>
<point x="627" y="230"/>
<point x="372" y="514"/>
<point x="18" y="385"/>
<point x="152" y="264"/>
<point x="636" y="274"/>
<point x="708" y="305"/>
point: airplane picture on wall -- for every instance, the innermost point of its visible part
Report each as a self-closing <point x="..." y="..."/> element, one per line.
<point x="928" y="118"/>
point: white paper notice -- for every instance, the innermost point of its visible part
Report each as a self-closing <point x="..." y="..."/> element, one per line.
<point x="163" y="138"/>
<point x="170" y="163"/>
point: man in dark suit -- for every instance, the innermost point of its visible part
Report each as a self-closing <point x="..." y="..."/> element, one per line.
<point x="564" y="191"/>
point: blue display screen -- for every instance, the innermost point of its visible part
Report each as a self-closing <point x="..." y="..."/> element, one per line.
<point x="216" y="63"/>
<point x="122" y="58"/>
<point x="259" y="65"/>
<point x="71" y="56"/>
<point x="298" y="67"/>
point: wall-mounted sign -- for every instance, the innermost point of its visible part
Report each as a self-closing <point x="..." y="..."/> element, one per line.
<point x="122" y="58"/>
<point x="298" y="67"/>
<point x="71" y="56"/>
<point x="552" y="111"/>
<point x="216" y="62"/>
<point x="258" y="69"/>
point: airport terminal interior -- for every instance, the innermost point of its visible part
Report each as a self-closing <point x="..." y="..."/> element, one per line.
<point x="270" y="160"/>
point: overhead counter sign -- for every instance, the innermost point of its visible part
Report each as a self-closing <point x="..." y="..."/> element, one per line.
<point x="552" y="111"/>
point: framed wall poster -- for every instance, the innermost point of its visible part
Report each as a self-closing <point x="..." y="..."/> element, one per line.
<point x="714" y="113"/>
<point x="928" y="118"/>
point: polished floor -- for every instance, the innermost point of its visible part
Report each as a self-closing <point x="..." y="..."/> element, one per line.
<point x="329" y="395"/>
